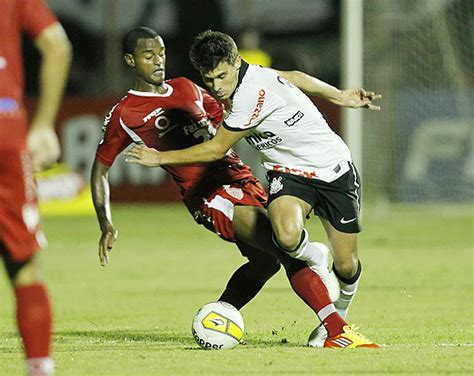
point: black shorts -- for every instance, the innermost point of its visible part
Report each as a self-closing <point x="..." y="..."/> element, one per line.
<point x="338" y="201"/>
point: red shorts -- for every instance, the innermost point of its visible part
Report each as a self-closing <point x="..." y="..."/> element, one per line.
<point x="217" y="211"/>
<point x="20" y="230"/>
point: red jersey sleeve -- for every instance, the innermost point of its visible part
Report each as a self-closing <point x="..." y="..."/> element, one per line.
<point x="35" y="16"/>
<point x="114" y="138"/>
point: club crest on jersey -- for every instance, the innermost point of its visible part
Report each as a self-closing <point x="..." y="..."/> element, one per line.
<point x="234" y="192"/>
<point x="276" y="185"/>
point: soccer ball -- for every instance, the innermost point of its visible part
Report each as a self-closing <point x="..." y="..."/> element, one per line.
<point x="218" y="326"/>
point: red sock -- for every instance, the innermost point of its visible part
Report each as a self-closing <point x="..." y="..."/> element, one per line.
<point x="312" y="290"/>
<point x="34" y="320"/>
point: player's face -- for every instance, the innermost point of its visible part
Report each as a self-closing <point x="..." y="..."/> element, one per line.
<point x="149" y="59"/>
<point x="222" y="80"/>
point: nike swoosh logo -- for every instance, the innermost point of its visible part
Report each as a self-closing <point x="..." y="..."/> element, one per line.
<point x="343" y="221"/>
<point x="217" y="322"/>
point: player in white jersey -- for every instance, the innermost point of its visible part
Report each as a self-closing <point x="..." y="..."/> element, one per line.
<point x="294" y="137"/>
<point x="309" y="167"/>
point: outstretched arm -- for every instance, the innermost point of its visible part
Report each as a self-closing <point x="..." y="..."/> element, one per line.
<point x="101" y="198"/>
<point x="56" y="54"/>
<point x="208" y="151"/>
<point x="353" y="98"/>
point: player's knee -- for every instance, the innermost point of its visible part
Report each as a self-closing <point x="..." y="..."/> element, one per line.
<point x="288" y="237"/>
<point x="25" y="273"/>
<point x="345" y="267"/>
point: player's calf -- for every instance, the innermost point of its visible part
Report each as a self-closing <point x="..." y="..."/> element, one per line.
<point x="34" y="320"/>
<point x="316" y="256"/>
<point x="33" y="314"/>
<point x="348" y="290"/>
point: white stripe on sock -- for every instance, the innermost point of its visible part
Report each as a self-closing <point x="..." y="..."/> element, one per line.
<point x="326" y="311"/>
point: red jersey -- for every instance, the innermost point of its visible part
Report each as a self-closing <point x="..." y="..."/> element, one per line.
<point x="184" y="116"/>
<point x="18" y="16"/>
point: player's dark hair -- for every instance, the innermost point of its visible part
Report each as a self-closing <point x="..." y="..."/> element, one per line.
<point x="130" y="40"/>
<point x="209" y="48"/>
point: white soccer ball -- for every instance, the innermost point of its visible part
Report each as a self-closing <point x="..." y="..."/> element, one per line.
<point x="218" y="326"/>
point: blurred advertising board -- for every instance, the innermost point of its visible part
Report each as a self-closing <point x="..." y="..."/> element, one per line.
<point x="63" y="192"/>
<point x="436" y="145"/>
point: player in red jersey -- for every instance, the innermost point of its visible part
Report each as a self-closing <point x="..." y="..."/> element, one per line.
<point x="224" y="196"/>
<point x="23" y="150"/>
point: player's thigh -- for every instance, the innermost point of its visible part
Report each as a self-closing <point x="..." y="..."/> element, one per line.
<point x="223" y="211"/>
<point x="290" y="199"/>
<point x="344" y="246"/>
<point x="252" y="226"/>
<point x="19" y="215"/>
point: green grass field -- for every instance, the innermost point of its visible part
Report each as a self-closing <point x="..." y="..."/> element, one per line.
<point x="133" y="317"/>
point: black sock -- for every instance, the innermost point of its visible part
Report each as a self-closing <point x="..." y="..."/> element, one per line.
<point x="246" y="282"/>
<point x="351" y="280"/>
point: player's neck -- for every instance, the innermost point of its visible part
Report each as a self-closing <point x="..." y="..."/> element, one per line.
<point x="150" y="88"/>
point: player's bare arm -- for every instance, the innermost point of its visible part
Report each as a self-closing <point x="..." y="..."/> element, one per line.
<point x="353" y="98"/>
<point x="56" y="52"/>
<point x="208" y="151"/>
<point x="101" y="198"/>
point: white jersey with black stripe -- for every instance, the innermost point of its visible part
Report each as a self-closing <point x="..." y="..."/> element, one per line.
<point x="288" y="129"/>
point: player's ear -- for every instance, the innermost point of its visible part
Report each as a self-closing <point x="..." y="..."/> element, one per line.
<point x="129" y="60"/>
<point x="238" y="62"/>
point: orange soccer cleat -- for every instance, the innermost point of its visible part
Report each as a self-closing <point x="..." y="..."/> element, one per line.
<point x="349" y="339"/>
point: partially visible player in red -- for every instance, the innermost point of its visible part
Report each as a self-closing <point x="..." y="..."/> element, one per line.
<point x="23" y="150"/>
<point x="223" y="196"/>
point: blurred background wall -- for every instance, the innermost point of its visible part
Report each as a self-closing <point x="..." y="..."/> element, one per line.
<point x="417" y="53"/>
<point x="420" y="55"/>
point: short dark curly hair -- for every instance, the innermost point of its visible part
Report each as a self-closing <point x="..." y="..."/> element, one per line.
<point x="129" y="42"/>
<point x="209" y="48"/>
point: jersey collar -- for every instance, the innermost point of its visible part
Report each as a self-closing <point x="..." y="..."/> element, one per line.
<point x="244" y="66"/>
<point x="148" y="94"/>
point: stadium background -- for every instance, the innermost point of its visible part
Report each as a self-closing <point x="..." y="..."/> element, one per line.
<point x="418" y="171"/>
<point x="420" y="57"/>
<point x="99" y="76"/>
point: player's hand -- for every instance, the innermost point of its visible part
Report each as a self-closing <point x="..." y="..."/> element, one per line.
<point x="360" y="98"/>
<point x="43" y="144"/>
<point x="106" y="243"/>
<point x="141" y="154"/>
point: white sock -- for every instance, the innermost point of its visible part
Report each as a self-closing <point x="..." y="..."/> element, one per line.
<point x="306" y="251"/>
<point x="347" y="294"/>
<point x="40" y="366"/>
<point x="315" y="255"/>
